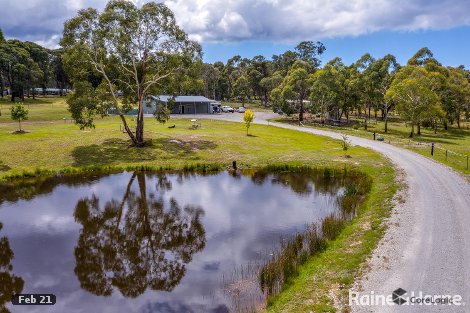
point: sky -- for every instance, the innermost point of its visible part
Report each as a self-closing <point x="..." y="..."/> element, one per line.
<point x="348" y="28"/>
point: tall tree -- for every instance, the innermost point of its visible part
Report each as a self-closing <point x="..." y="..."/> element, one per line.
<point x="385" y="70"/>
<point x="2" y="78"/>
<point x="133" y="50"/>
<point x="241" y="89"/>
<point x="18" y="67"/>
<point x="308" y="51"/>
<point x="413" y="91"/>
<point x="294" y="89"/>
<point x="269" y="83"/>
<point x="366" y="84"/>
<point x="325" y="90"/>
<point x="456" y="94"/>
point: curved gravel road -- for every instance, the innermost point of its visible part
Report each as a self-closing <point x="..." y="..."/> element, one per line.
<point x="427" y="245"/>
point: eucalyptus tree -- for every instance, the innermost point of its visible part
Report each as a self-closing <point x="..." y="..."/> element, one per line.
<point x="2" y="78"/>
<point x="308" y="51"/>
<point x="269" y="83"/>
<point x="366" y="84"/>
<point x="261" y="69"/>
<point x="291" y="94"/>
<point x="325" y="89"/>
<point x="456" y="97"/>
<point x="136" y="50"/>
<point x="18" y="68"/>
<point x="43" y="58"/>
<point x="379" y="76"/>
<point x="241" y="89"/>
<point x="61" y="78"/>
<point x="413" y="89"/>
<point x="210" y="75"/>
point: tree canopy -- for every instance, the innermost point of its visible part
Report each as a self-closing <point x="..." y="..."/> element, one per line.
<point x="134" y="50"/>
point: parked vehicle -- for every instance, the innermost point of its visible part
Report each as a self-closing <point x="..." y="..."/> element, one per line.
<point x="226" y="108"/>
<point x="241" y="110"/>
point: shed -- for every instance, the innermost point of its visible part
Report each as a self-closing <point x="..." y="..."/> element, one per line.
<point x="182" y="104"/>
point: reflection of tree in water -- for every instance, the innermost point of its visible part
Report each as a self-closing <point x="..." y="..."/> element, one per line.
<point x="135" y="243"/>
<point x="301" y="182"/>
<point x="9" y="283"/>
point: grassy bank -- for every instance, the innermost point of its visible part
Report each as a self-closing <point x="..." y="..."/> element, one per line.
<point x="52" y="146"/>
<point x="456" y="141"/>
<point x="323" y="282"/>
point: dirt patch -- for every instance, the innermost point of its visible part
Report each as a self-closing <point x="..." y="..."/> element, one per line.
<point x="19" y="132"/>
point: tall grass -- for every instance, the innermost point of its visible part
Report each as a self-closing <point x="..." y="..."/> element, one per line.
<point x="285" y="262"/>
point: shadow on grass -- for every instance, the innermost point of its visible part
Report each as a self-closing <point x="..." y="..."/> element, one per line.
<point x="4" y="167"/>
<point x="116" y="150"/>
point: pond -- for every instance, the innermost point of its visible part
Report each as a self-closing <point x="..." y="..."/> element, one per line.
<point x="155" y="242"/>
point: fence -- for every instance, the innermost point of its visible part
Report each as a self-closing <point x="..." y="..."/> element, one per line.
<point x="435" y="150"/>
<point x="450" y="156"/>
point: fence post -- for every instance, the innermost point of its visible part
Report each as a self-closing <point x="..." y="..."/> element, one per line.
<point x="432" y="148"/>
<point x="374" y="135"/>
<point x="446" y="155"/>
<point x="467" y="162"/>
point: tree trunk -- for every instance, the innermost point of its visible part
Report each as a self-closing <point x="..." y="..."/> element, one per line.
<point x="301" y="114"/>
<point x="2" y="85"/>
<point x="386" y="122"/>
<point x="19" y="122"/>
<point x="139" y="132"/>
<point x="412" y="129"/>
<point x="419" y="128"/>
<point x="128" y="130"/>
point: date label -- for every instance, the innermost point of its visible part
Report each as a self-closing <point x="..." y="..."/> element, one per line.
<point x="33" y="299"/>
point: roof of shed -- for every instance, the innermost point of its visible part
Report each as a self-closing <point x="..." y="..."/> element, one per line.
<point x="191" y="99"/>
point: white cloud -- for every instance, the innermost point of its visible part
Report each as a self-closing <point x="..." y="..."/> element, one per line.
<point x="262" y="20"/>
<point x="290" y="21"/>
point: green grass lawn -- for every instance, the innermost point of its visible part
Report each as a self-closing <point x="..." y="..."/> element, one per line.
<point x="52" y="146"/>
<point x="254" y="105"/>
<point x="58" y="145"/>
<point x="40" y="109"/>
<point x="455" y="140"/>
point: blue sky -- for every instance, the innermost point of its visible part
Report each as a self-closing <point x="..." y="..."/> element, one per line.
<point x="348" y="28"/>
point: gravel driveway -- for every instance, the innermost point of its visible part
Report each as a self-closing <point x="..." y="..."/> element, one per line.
<point x="427" y="245"/>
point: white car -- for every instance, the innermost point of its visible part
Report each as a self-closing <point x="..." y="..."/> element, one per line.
<point x="226" y="108"/>
<point x="241" y="110"/>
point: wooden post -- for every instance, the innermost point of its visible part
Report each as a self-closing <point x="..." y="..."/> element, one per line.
<point x="234" y="165"/>
<point x="467" y="162"/>
<point x="374" y="135"/>
<point x="432" y="148"/>
<point x="446" y="155"/>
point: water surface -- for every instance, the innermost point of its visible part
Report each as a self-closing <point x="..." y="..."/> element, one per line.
<point x="152" y="242"/>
